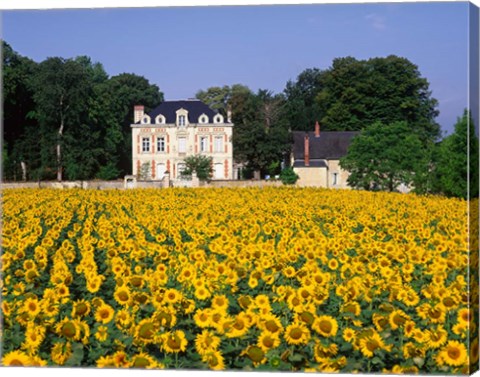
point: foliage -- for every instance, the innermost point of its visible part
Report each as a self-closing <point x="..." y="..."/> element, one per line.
<point x="273" y="279"/>
<point x="383" y="157"/>
<point x="201" y="165"/>
<point x="145" y="171"/>
<point x="288" y="176"/>
<point x="67" y="117"/>
<point x="458" y="160"/>
<point x="260" y="134"/>
<point x="353" y="94"/>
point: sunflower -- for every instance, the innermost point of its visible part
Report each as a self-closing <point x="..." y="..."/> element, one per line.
<point x="297" y="333"/>
<point x="240" y="326"/>
<point x="81" y="308"/>
<point x="295" y="302"/>
<point x="102" y="333"/>
<point x="34" y="336"/>
<point x="123" y="318"/>
<point x="202" y="293"/>
<point x="454" y="353"/>
<point x="68" y="328"/>
<point x="349" y="335"/>
<point x="105" y="362"/>
<point x="172" y="296"/>
<point x="369" y="344"/>
<point x="206" y="342"/>
<point x="120" y="359"/>
<point x="436" y="338"/>
<point x="271" y="323"/>
<point x="61" y="352"/>
<point x="143" y="360"/>
<point x="323" y="353"/>
<point x="174" y="342"/>
<point x="474" y="354"/>
<point x="255" y="354"/>
<point x="123" y="295"/>
<point x="202" y="317"/>
<point x="31" y="306"/>
<point x="464" y="315"/>
<point x="397" y="319"/>
<point x="220" y="302"/>
<point x="352" y="307"/>
<point x="214" y="359"/>
<point x="104" y="313"/>
<point x="325" y="325"/>
<point x="16" y="359"/>
<point x="145" y="331"/>
<point x="267" y="341"/>
<point x="289" y="272"/>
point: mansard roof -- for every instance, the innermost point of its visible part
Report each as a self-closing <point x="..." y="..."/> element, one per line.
<point x="194" y="107"/>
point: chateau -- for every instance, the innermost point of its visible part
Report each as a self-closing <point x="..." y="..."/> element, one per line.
<point x="163" y="138"/>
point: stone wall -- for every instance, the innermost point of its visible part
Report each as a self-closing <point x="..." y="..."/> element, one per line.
<point x="95" y="185"/>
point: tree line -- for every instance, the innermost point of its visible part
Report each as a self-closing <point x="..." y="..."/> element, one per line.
<point x="67" y="119"/>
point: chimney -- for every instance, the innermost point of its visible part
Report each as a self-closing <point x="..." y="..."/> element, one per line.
<point x="229" y="114"/>
<point x="317" y="129"/>
<point x="307" y="151"/>
<point x="138" y="112"/>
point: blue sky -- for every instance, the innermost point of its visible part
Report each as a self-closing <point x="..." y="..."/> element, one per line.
<point x="183" y="50"/>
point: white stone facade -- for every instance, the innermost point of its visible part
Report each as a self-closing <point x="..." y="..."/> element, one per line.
<point x="159" y="147"/>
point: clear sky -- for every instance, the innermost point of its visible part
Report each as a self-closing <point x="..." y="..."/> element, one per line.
<point x="183" y="50"/>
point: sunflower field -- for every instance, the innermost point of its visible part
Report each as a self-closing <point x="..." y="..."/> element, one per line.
<point x="277" y="279"/>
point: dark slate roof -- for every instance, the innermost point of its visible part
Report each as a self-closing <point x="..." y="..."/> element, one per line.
<point x="194" y="107"/>
<point x="331" y="145"/>
<point x="312" y="164"/>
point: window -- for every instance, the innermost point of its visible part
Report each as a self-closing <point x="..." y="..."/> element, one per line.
<point x="146" y="144"/>
<point x="182" y="145"/>
<point x="146" y="120"/>
<point x="181" y="120"/>
<point x="161" y="144"/>
<point x="335" y="179"/>
<point x="218" y="144"/>
<point x="203" y="144"/>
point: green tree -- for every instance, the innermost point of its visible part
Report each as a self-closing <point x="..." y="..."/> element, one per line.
<point x="301" y="108"/>
<point x="116" y="99"/>
<point x="18" y="120"/>
<point x="353" y="94"/>
<point x="62" y="90"/>
<point x="383" y="157"/>
<point x="288" y="176"/>
<point x="201" y="165"/>
<point x="260" y="132"/>
<point x="458" y="160"/>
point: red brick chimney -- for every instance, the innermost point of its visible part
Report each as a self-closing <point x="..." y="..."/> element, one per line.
<point x="138" y="112"/>
<point x="307" y="151"/>
<point x="317" y="129"/>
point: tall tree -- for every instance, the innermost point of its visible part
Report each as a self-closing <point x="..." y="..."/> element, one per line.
<point x="353" y="94"/>
<point x="382" y="157"/>
<point x="458" y="160"/>
<point x="117" y="97"/>
<point x="301" y="107"/>
<point x="18" y="107"/>
<point x="62" y="89"/>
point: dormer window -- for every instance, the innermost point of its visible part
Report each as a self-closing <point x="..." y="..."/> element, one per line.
<point x="146" y="119"/>
<point x="218" y="119"/>
<point x="182" y="120"/>
<point x="203" y="119"/>
<point x="160" y="119"/>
